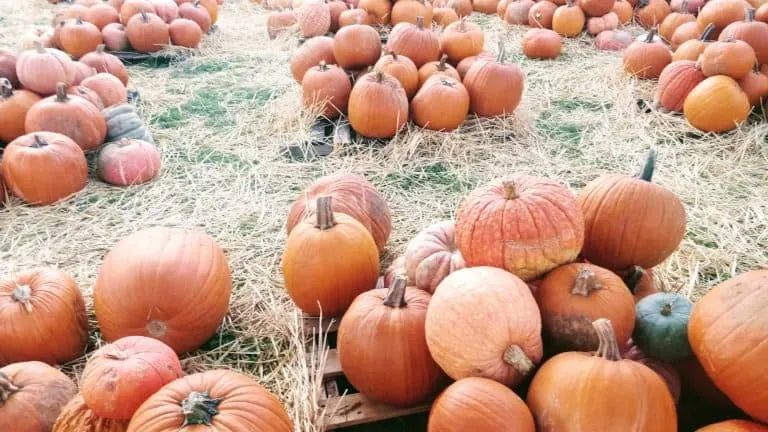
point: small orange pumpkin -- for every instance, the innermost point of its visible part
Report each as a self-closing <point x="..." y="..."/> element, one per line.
<point x="444" y="17"/>
<point x="328" y="87"/>
<point x="14" y="105"/>
<point x="692" y="48"/>
<point x="101" y="15"/>
<point x="185" y="33"/>
<point x="196" y="12"/>
<point x="354" y="16"/>
<point x="414" y="41"/>
<point x="109" y="89"/>
<point x="442" y="103"/>
<point x="310" y="54"/>
<point x="378" y="105"/>
<point x="437" y="68"/>
<point x="596" y="8"/>
<point x="675" y="20"/>
<point x="686" y="32"/>
<point x="495" y="88"/>
<point x="755" y="85"/>
<point x="79" y="37"/>
<point x="623" y="9"/>
<point x="107" y="63"/>
<point x="645" y="59"/>
<point x="356" y="47"/>
<point x="542" y="44"/>
<point x="403" y="69"/>
<point x="675" y="82"/>
<point x="651" y="13"/>
<point x="568" y="20"/>
<point x="461" y="40"/>
<point x="734" y="58"/>
<point x="517" y="12"/>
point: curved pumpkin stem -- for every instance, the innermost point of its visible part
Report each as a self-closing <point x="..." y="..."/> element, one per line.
<point x="633" y="278"/>
<point x="379" y="76"/>
<point x="23" y="294"/>
<point x="6" y="89"/>
<point x="585" y="283"/>
<point x="144" y="16"/>
<point x="510" y="189"/>
<point x="750" y="17"/>
<point x="420" y="22"/>
<point x="325" y="219"/>
<point x="396" y="295"/>
<point x="684" y="7"/>
<point x="516" y="357"/>
<point x="500" y="57"/>
<point x="39" y="142"/>
<point x="199" y="408"/>
<point x="101" y="48"/>
<point x="651" y="33"/>
<point x="394" y="55"/>
<point x="39" y="46"/>
<point x="61" y="92"/>
<point x="570" y="3"/>
<point x="649" y="166"/>
<point x="441" y="65"/>
<point x="323" y="66"/>
<point x="608" y="348"/>
<point x="6" y="388"/>
<point x="707" y="33"/>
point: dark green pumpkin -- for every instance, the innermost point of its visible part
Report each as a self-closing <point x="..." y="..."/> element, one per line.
<point x="661" y="326"/>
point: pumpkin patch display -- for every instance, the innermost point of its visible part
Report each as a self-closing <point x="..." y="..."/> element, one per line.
<point x="717" y="104"/>
<point x="77" y="417"/>
<point x="128" y="162"/>
<point x="432" y="255"/>
<point x="14" y="105"/>
<point x="661" y="326"/>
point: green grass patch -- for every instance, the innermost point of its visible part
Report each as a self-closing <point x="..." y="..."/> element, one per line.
<point x="436" y="174"/>
<point x="207" y="67"/>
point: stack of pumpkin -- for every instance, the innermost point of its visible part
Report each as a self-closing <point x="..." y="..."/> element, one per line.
<point x="160" y="292"/>
<point x="529" y="284"/>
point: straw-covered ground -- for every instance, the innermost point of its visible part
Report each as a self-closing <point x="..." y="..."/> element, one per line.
<point x="222" y="118"/>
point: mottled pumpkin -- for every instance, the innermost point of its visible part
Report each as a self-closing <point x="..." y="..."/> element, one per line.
<point x="432" y="255"/>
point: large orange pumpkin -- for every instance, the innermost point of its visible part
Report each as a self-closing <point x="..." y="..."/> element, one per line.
<point x="119" y="377"/>
<point x="432" y="255"/>
<point x="378" y="105"/>
<point x="310" y="54"/>
<point x="14" y="105"/>
<point x="630" y="221"/>
<point x="414" y="41"/>
<point x="220" y="400"/>
<point x="727" y="330"/>
<point x="479" y="404"/>
<point x="147" y="32"/>
<point x="647" y="58"/>
<point x="721" y="13"/>
<point x="495" y="87"/>
<point x="506" y="348"/>
<point x="717" y="104"/>
<point x="461" y="40"/>
<point x="568" y="20"/>
<point x="77" y="417"/>
<point x="600" y="392"/>
<point x="79" y="37"/>
<point x="548" y="226"/>
<point x="651" y="13"/>
<point x="734" y="426"/>
<point x="171" y="284"/>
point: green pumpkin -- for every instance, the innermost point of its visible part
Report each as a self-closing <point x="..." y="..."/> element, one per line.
<point x="123" y="122"/>
<point x="661" y="326"/>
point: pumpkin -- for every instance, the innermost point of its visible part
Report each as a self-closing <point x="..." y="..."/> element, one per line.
<point x="216" y="400"/>
<point x="437" y="68"/>
<point x="128" y="162"/>
<point x="755" y="86"/>
<point x="410" y="10"/>
<point x="540" y="15"/>
<point x="212" y="6"/>
<point x="461" y="40"/>
<point x="717" y="104"/>
<point x="77" y="417"/>
<point x="351" y="261"/>
<point x="721" y="13"/>
<point x="441" y="104"/>
<point x="495" y="88"/>
<point x="72" y="116"/>
<point x="277" y="23"/>
<point x="8" y="67"/>
<point x="696" y="382"/>
<point x="14" y="105"/>
<point x="734" y="58"/>
<point x="382" y="348"/>
<point x="107" y="63"/>
<point x="517" y="12"/>
<point x="41" y="304"/>
<point x="623" y="10"/>
<point x="120" y="376"/>
<point x="596" y="8"/>
<point x="762" y="13"/>
<point x="644" y="225"/>
<point x="147" y="32"/>
<point x="665" y="371"/>
<point x="32" y="395"/>
<point x="197" y="13"/>
<point x="646" y="59"/>
<point x="485" y="6"/>
<point x="571" y="297"/>
<point x="661" y="326"/>
<point x="185" y="33"/>
<point x="108" y="87"/>
<point x="582" y="391"/>
<point x="675" y="20"/>
<point x="378" y="10"/>
<point x="87" y="94"/>
<point x="335" y="9"/>
<point x="734" y="426"/>
<point x="395" y="269"/>
<point x="501" y="8"/>
<point x="597" y="25"/>
<point x="432" y="255"/>
<point x="39" y="70"/>
<point x="463" y="67"/>
<point x="640" y="282"/>
<point x="686" y="32"/>
<point x="507" y="349"/>
<point x="613" y="40"/>
<point x="327" y="87"/>
<point x="83" y="71"/>
<point x="115" y="38"/>
<point x="568" y="20"/>
<point x="44" y="36"/>
<point x="651" y="13"/>
<point x="403" y="69"/>
<point x="551" y="229"/>
<point x="542" y="44"/>
<point x="414" y="41"/>
<point x="676" y="81"/>
<point x="130" y="8"/>
<point x="354" y="16"/>
<point x="691" y="6"/>
<point x="314" y="18"/>
<point x="752" y="32"/>
<point x="123" y="122"/>
<point x="479" y="404"/>
<point x="168" y="10"/>
<point x="187" y="265"/>
<point x="444" y="17"/>
<point x="378" y="105"/>
<point x="356" y="46"/>
<point x="310" y="54"/>
<point x="462" y="7"/>
<point x="102" y="14"/>
<point x="692" y="48"/>
<point x="734" y="308"/>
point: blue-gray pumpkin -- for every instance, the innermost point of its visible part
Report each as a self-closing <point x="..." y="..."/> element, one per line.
<point x="124" y="122"/>
<point x="661" y="326"/>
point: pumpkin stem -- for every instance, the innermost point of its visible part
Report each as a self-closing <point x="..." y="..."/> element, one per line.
<point x="199" y="408"/>
<point x="608" y="348"/>
<point x="463" y="24"/>
<point x="23" y="294"/>
<point x="394" y="55"/>
<point x="196" y="3"/>
<point x="666" y="310"/>
<point x="643" y="3"/>
<point x="707" y="32"/>
<point x="751" y="12"/>
<point x="585" y="283"/>
<point x="650" y="35"/>
<point x="396" y="295"/>
<point x="420" y="22"/>
<point x="441" y="66"/>
<point x="6" y="89"/>
<point x="516" y="357"/>
<point x="101" y="48"/>
<point x="144" y="16"/>
<point x="510" y="189"/>
<point x="156" y="328"/>
<point x="684" y="7"/>
<point x="79" y="20"/>
<point x="500" y="57"/>
<point x="379" y="77"/>
<point x="61" y="92"/>
<point x="649" y="167"/>
<point x="633" y="278"/>
<point x="39" y="142"/>
<point x="325" y="219"/>
<point x="323" y="66"/>
<point x="570" y="3"/>
<point x="7" y="389"/>
<point x="39" y="46"/>
<point x="116" y="354"/>
<point x="447" y="83"/>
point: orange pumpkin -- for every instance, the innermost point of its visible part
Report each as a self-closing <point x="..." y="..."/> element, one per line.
<point x="692" y="48"/>
<point x="600" y="392"/>
<point x="462" y="7"/>
<point x="105" y="62"/>
<point x="568" y="20"/>
<point x="734" y="58"/>
<point x="432" y="255"/>
<point x="410" y="10"/>
<point x="378" y="105"/>
<point x="216" y="400"/>
<point x="196" y="12"/>
<point x="336" y="8"/>
<point x="168" y="10"/>
<point x="147" y="32"/>
<point x="414" y="41"/>
<point x="88" y="94"/>
<point x="129" y="8"/>
<point x="717" y="104"/>
<point x="762" y="13"/>
<point x="675" y="20"/>
<point x="187" y="265"/>
<point x="310" y="54"/>
<point x="41" y="69"/>
<point x="8" y="67"/>
<point x="403" y="69"/>
<point x="550" y="228"/>
<point x="495" y="88"/>
<point x="444" y="17"/>
<point x="597" y="25"/>
<point x="108" y="88"/>
<point x="755" y="86"/>
<point x="517" y="12"/>
<point x="596" y="8"/>
<point x="753" y="32"/>
<point x="540" y="15"/>
<point x="314" y="18"/>
<point x="278" y="23"/>
<point x="356" y="47"/>
<point x="185" y="33"/>
<point x="542" y="44"/>
<point x="734" y="426"/>
<point x="115" y="38"/>
<point x="461" y="39"/>
<point x="379" y="11"/>
<point x="354" y="16"/>
<point x="479" y="404"/>
<point x="686" y="32"/>
<point x="14" y="106"/>
<point x="101" y="15"/>
<point x="327" y="87"/>
<point x="651" y="13"/>
<point x="441" y="68"/>
<point x="485" y="6"/>
<point x="77" y="417"/>
<point x="79" y="37"/>
<point x="727" y="329"/>
<point x="645" y="59"/>
<point x="83" y="71"/>
<point x="623" y="9"/>
<point x="676" y="81"/>
<point x="463" y="67"/>
<point x="721" y="13"/>
<point x="640" y="282"/>
<point x="441" y="104"/>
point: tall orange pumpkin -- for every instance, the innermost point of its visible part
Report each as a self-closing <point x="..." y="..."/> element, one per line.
<point x="495" y="87"/>
<point x="630" y="221"/>
<point x="727" y="330"/>
<point x="576" y="391"/>
<point x="171" y="284"/>
<point x="549" y="228"/>
<point x="14" y="105"/>
<point x="77" y="417"/>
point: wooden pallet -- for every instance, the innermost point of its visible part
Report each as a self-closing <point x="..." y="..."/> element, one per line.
<point x="348" y="407"/>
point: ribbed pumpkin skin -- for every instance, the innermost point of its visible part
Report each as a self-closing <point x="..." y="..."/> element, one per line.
<point x="549" y="228"/>
<point x="727" y="331"/>
<point x="442" y="103"/>
<point x="41" y="69"/>
<point x="352" y="195"/>
<point x="314" y="18"/>
<point x="675" y="82"/>
<point x="432" y="255"/>
<point x="77" y="417"/>
<point x="310" y="54"/>
<point x="717" y="104"/>
<point x="419" y="44"/>
<point x="72" y="116"/>
<point x="378" y="105"/>
<point x="734" y="426"/>
<point x="147" y="33"/>
<point x="187" y="267"/>
<point x="646" y="60"/>
<point x="568" y="20"/>
<point x="494" y="88"/>
<point x="246" y="406"/>
<point x="479" y="404"/>
<point x="403" y="69"/>
<point x="754" y="33"/>
<point x="14" y="105"/>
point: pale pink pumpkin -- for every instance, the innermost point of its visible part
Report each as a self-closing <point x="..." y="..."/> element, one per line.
<point x="432" y="255"/>
<point x="129" y="162"/>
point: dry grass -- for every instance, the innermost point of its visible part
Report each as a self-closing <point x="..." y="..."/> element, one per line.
<point x="222" y="117"/>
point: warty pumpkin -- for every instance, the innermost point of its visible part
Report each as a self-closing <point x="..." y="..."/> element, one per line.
<point x="686" y="32"/>
<point x="630" y="220"/>
<point x="734" y="426"/>
<point x="382" y="348"/>
<point x="196" y="12"/>
<point x="14" y="105"/>
<point x="727" y="330"/>
<point x="717" y="104"/>
<point x="550" y="226"/>
<point x="661" y="326"/>
<point x="40" y="69"/>
<point x="752" y="32"/>
<point x="675" y="20"/>
<point x="461" y="40"/>
<point x="596" y="8"/>
<point x="442" y="103"/>
<point x="32" y="395"/>
<point x="541" y="43"/>
<point x="120" y="376"/>
<point x="540" y="15"/>
<point x="432" y="255"/>
<point x="441" y="68"/>
<point x="356" y="46"/>
<point x="755" y="86"/>
<point x="218" y="400"/>
<point x="691" y="49"/>
<point x="326" y="87"/>
<point x="128" y="162"/>
<point x="378" y="105"/>
<point x="77" y="417"/>
<point x="187" y="266"/>
<point x="479" y="404"/>
<point x="734" y="58"/>
<point x="675" y="82"/>
<point x="310" y="54"/>
<point x="43" y="305"/>
<point x="568" y="20"/>
<point x="102" y="14"/>
<point x="314" y="18"/>
<point x="105" y="62"/>
<point x="444" y="16"/>
<point x="410" y="10"/>
<point x="721" y="13"/>
<point x="108" y="88"/>
<point x="613" y="40"/>
<point x="378" y="10"/>
<point x="646" y="59"/>
<point x="414" y="41"/>
<point x="403" y="69"/>
<point x="43" y="168"/>
<point x="517" y="12"/>
<point x="115" y="37"/>
<point x="185" y="33"/>
<point x="507" y="349"/>
<point x="597" y="392"/>
<point x="147" y="32"/>
<point x="8" y="67"/>
<point x="651" y="13"/>
<point x="597" y="25"/>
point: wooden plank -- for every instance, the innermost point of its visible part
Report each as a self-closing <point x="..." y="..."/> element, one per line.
<point x="312" y="324"/>
<point x="355" y="409"/>
<point x="332" y="366"/>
